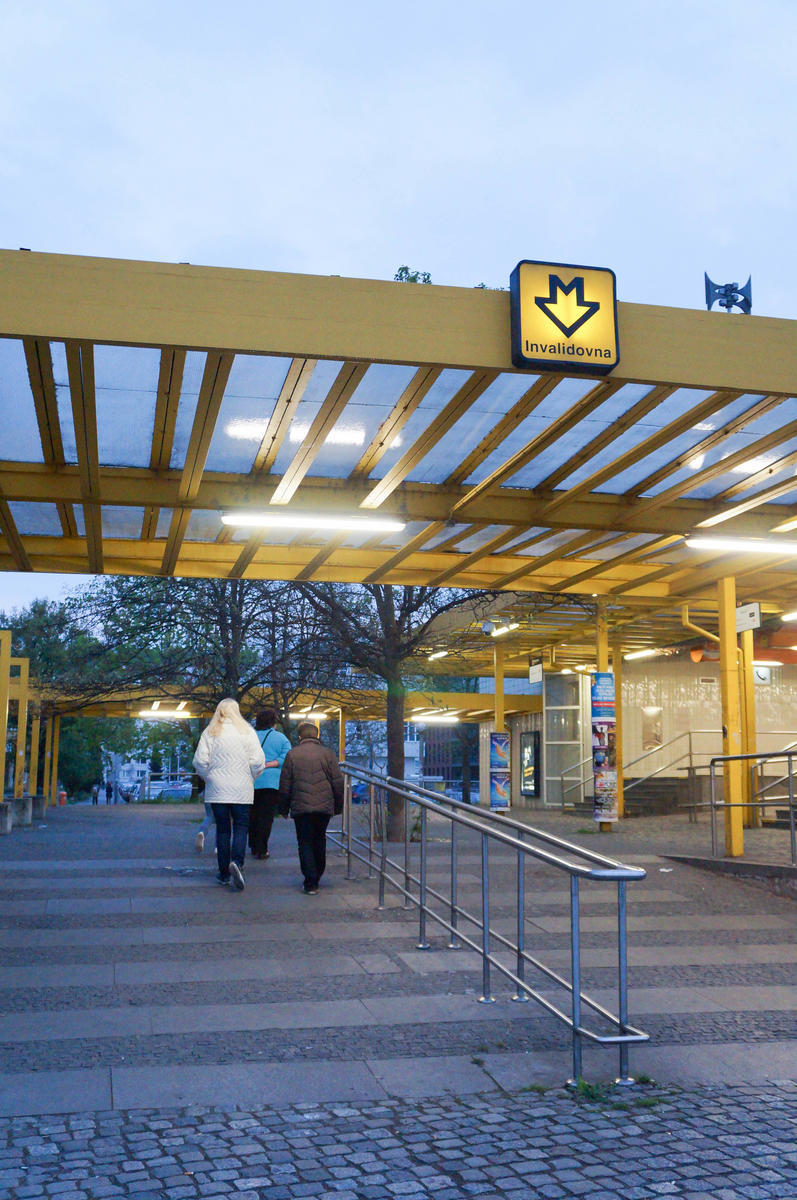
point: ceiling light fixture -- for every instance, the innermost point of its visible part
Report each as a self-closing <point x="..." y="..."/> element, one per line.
<point x="340" y="524"/>
<point x="743" y="545"/>
<point x="437" y="654"/>
<point x="640" y="654"/>
<point x="789" y="616"/>
<point x="500" y="630"/>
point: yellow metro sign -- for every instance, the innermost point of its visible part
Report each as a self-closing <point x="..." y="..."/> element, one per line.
<point x="564" y="318"/>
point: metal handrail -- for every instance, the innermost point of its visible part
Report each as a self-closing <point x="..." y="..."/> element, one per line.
<point x="753" y="759"/>
<point x="493" y="830"/>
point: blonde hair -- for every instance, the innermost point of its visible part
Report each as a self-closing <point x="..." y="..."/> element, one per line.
<point x="227" y="712"/>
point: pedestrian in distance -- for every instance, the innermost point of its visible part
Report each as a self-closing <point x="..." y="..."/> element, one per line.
<point x="275" y="747"/>
<point x="311" y="789"/>
<point x="229" y="758"/>
<point x="95" y="793"/>
<point x="108" y="792"/>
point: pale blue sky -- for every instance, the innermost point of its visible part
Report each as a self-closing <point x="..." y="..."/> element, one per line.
<point x="654" y="138"/>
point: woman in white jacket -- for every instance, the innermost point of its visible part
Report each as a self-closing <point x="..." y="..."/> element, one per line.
<point x="229" y="758"/>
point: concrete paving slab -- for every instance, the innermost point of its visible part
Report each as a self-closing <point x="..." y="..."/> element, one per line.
<point x="377" y="964"/>
<point x="59" y="975"/>
<point x="244" y="1085"/>
<point x="650" y="924"/>
<point x="213" y="971"/>
<point x="340" y="931"/>
<point x="322" y="1014"/>
<point x="58" y="1024"/>
<point x="37" y="1092"/>
<point x="94" y="907"/>
<point x="100" y="880"/>
<point x="416" y="1077"/>
<point x="36" y="938"/>
<point x="512" y="1072"/>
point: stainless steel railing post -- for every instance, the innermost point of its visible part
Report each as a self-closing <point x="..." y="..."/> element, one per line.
<point x="347" y="806"/>
<point x="790" y="764"/>
<point x="622" y="980"/>
<point x="575" y="976"/>
<point x="346" y="803"/>
<point x="713" y="801"/>
<point x="371" y="798"/>
<point x="454" y="940"/>
<point x="422" y="942"/>
<point x="383" y="856"/>
<point x="520" y="961"/>
<point x="407" y="900"/>
<point x="486" y="997"/>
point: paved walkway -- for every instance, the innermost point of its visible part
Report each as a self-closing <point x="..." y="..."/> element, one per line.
<point x="160" y="1035"/>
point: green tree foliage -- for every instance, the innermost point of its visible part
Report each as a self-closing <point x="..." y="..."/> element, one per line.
<point x="379" y="627"/>
<point x="408" y="275"/>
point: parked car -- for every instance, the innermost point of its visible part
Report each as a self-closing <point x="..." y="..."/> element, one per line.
<point x="174" y="791"/>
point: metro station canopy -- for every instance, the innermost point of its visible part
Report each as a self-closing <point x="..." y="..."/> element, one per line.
<point x="141" y="402"/>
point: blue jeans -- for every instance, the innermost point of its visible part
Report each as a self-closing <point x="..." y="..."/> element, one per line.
<point x="233" y="817"/>
<point x="208" y="822"/>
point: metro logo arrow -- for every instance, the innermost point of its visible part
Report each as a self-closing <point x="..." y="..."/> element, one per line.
<point x="567" y="311"/>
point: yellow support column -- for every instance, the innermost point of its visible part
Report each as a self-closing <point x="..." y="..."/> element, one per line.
<point x="602" y="664"/>
<point x="47" y="771"/>
<point x="617" y="667"/>
<point x="752" y="817"/>
<point x="5" y="679"/>
<point x="33" y="769"/>
<point x="56" y="747"/>
<point x="341" y="735"/>
<point x="22" y="727"/>
<point x="498" y="671"/>
<point x="731" y="716"/>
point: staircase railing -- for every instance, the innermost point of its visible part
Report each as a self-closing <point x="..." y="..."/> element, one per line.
<point x="752" y="760"/>
<point x="407" y="870"/>
<point x="689" y="753"/>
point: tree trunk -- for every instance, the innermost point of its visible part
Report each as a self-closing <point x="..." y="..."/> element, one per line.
<point x="395" y="755"/>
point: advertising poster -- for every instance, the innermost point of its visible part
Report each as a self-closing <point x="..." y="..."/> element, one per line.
<point x="500" y="793"/>
<point x="500" y="785"/>
<point x="530" y="763"/>
<point x="604" y="747"/>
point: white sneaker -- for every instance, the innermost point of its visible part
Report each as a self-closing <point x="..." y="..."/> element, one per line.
<point x="237" y="877"/>
<point x="200" y="842"/>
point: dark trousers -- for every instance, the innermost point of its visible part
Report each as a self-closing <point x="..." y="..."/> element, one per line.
<point x="231" y="818"/>
<point x="263" y="812"/>
<point x="311" y="838"/>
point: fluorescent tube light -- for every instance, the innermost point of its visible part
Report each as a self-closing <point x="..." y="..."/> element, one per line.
<point x="743" y="545"/>
<point x="640" y="654"/>
<point x="284" y="520"/>
<point x="436" y="719"/>
<point x="500" y="630"/>
<point x="437" y="654"/>
<point x="789" y="616"/>
<point x="163" y="714"/>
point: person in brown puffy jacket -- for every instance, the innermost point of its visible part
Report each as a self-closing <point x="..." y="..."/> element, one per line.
<point x="312" y="785"/>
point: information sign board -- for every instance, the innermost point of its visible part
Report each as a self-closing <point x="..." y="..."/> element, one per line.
<point x="564" y="318"/>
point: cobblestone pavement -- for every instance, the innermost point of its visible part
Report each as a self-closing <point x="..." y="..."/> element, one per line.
<point x="161" y="1036"/>
<point x="734" y="1143"/>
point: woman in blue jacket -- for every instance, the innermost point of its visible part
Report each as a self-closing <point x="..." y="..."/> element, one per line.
<point x="275" y="747"/>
